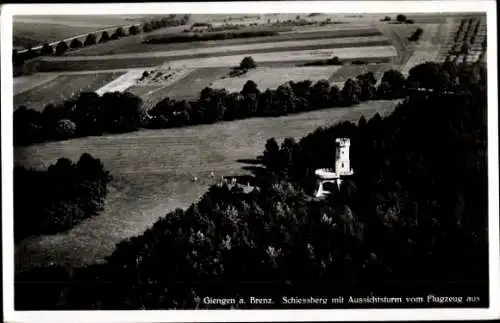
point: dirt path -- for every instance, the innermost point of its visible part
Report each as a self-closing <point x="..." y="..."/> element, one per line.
<point x="153" y="172"/>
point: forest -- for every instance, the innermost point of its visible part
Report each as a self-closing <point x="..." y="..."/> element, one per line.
<point x="56" y="199"/>
<point x="412" y="220"/>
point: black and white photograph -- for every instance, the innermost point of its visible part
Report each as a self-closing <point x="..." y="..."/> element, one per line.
<point x="227" y="159"/>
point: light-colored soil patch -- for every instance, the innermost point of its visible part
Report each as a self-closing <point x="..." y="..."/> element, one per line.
<point x="271" y="78"/>
<point x="121" y="83"/>
<point x="152" y="173"/>
<point x="61" y="88"/>
<point x="25" y="83"/>
<point x="160" y="77"/>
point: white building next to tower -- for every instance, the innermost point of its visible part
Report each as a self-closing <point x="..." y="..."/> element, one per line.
<point x="342" y="167"/>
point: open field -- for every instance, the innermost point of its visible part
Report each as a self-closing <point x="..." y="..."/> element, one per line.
<point x="25" y="83"/>
<point x="152" y="173"/>
<point x="61" y="88"/>
<point x="271" y="78"/>
<point x="53" y="64"/>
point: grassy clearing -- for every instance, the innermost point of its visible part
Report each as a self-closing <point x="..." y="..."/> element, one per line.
<point x="25" y="83"/>
<point x="61" y="88"/>
<point x="152" y="173"/>
<point x="271" y="78"/>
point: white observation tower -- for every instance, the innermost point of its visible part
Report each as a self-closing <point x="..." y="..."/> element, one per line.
<point x="342" y="167"/>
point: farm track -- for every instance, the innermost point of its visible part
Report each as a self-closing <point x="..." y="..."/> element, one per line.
<point x="152" y="173"/>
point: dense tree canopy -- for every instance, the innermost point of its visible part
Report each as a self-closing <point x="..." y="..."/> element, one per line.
<point x="56" y="199"/>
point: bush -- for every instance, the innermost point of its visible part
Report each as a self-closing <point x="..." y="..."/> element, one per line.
<point x="401" y="18"/>
<point x="247" y="63"/>
<point x="90" y="40"/>
<point x="134" y="30"/>
<point x="76" y="43"/>
<point x="65" y="129"/>
<point x="104" y="37"/>
<point x="61" y="48"/>
<point x="416" y="35"/>
<point x="118" y="33"/>
<point x="47" y="49"/>
<point x="147" y="27"/>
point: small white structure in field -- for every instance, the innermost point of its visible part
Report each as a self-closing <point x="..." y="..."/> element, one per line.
<point x="342" y="168"/>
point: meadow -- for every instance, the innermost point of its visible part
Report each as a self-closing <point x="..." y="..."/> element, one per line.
<point x="153" y="173"/>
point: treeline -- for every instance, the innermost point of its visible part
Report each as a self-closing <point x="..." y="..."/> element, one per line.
<point x="175" y="38"/>
<point x="91" y="114"/>
<point x="88" y="115"/>
<point x="62" y="47"/>
<point x="56" y="199"/>
<point x="325" y="62"/>
<point x="418" y="194"/>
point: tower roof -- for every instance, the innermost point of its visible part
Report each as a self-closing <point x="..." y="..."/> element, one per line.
<point x="343" y="141"/>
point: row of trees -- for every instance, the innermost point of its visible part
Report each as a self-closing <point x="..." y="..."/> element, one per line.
<point x="175" y="38"/>
<point x="91" y="114"/>
<point x="56" y="199"/>
<point x="91" y="39"/>
<point x="416" y="197"/>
